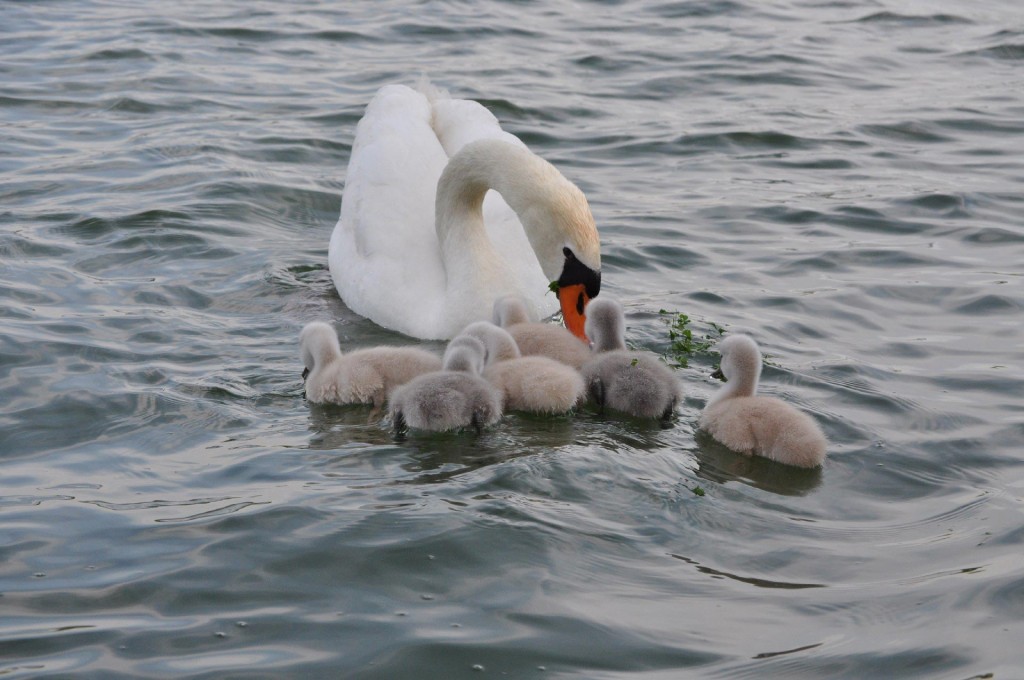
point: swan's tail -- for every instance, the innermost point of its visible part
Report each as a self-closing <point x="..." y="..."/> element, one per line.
<point x="457" y="122"/>
<point x="432" y="92"/>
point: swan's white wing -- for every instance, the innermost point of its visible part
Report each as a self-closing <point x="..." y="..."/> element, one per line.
<point x="384" y="255"/>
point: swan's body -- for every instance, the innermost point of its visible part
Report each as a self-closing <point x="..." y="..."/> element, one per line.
<point x="634" y="382"/>
<point x="536" y="384"/>
<point x="752" y="425"/>
<point x="536" y="338"/>
<point x="363" y="376"/>
<point x="418" y="247"/>
<point x="452" y="398"/>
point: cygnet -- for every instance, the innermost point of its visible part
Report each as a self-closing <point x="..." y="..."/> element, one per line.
<point x="752" y="425"/>
<point x="537" y="384"/>
<point x="634" y="382"/>
<point x="534" y="338"/>
<point x="452" y="398"/>
<point x="363" y="376"/>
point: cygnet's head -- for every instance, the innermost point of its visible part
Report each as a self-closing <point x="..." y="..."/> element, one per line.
<point x="465" y="353"/>
<point x="318" y="344"/>
<point x="606" y="325"/>
<point x="498" y="344"/>
<point x="510" y="309"/>
<point x="741" y="359"/>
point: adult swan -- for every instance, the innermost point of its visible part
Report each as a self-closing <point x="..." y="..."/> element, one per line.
<point x="419" y="249"/>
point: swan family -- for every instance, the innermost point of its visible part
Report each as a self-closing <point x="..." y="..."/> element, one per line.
<point x="451" y="229"/>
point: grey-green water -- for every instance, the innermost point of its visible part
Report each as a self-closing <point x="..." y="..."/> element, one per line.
<point x="841" y="179"/>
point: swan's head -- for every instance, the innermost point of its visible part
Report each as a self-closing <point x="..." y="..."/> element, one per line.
<point x="606" y="325"/>
<point x="318" y="344"/>
<point x="465" y="353"/>
<point x="741" y="360"/>
<point x="577" y="285"/>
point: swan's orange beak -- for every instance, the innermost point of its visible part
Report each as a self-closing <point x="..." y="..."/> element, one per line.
<point x="574" y="301"/>
<point x="576" y="286"/>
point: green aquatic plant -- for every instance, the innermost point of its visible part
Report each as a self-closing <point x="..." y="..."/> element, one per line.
<point x="698" y="490"/>
<point x="683" y="345"/>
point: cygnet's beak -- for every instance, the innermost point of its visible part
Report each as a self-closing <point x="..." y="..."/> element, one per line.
<point x="305" y="374"/>
<point x="573" y="300"/>
<point x="718" y="375"/>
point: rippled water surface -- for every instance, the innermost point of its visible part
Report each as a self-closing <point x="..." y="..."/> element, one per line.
<point x="843" y="180"/>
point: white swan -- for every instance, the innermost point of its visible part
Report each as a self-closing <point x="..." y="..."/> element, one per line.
<point x="536" y="338"/>
<point x="363" y="376"/>
<point x="536" y="384"/>
<point x="419" y="249"/>
<point x="630" y="381"/>
<point x="449" y="399"/>
<point x="763" y="426"/>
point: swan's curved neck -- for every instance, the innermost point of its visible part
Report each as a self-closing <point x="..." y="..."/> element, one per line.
<point x="320" y="347"/>
<point x="743" y="385"/>
<point x="743" y="378"/>
<point x="533" y="188"/>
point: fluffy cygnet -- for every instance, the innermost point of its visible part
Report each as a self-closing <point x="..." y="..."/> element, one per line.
<point x="763" y="426"/>
<point x="535" y="383"/>
<point x="634" y="382"/>
<point x="534" y="338"/>
<point x="363" y="376"/>
<point x="452" y="398"/>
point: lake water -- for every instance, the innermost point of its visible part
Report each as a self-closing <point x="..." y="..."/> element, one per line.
<point x="844" y="180"/>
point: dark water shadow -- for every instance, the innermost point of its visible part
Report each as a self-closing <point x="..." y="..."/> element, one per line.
<point x="441" y="456"/>
<point x="750" y="580"/>
<point x="719" y="464"/>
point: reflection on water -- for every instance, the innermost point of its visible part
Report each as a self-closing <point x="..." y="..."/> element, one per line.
<point x="720" y="465"/>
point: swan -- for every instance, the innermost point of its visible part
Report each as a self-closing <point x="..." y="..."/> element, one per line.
<point x="363" y="376"/>
<point x="532" y="337"/>
<point x="421" y="247"/>
<point x="535" y="383"/>
<point x="763" y="426"/>
<point x="634" y="382"/>
<point x="452" y="398"/>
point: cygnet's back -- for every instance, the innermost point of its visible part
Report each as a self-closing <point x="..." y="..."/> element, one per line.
<point x="539" y="339"/>
<point x="634" y="382"/>
<point x="756" y="425"/>
<point x="537" y="384"/>
<point x="362" y="376"/>
<point x="452" y="398"/>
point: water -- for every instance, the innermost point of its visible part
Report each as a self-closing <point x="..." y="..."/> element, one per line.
<point x="841" y="179"/>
